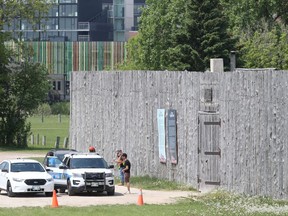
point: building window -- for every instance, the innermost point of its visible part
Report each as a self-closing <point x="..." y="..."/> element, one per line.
<point x="54" y="85"/>
<point x="59" y="85"/>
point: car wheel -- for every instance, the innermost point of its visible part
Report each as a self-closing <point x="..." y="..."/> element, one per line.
<point x="48" y="194"/>
<point x="9" y="190"/>
<point x="111" y="192"/>
<point x="70" y="190"/>
<point x="62" y="190"/>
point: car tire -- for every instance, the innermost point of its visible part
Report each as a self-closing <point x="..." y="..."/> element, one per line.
<point x="62" y="190"/>
<point x="48" y="194"/>
<point x="70" y="189"/>
<point x="9" y="190"/>
<point x="111" y="192"/>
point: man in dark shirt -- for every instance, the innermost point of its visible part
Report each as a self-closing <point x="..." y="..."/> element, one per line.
<point x="126" y="171"/>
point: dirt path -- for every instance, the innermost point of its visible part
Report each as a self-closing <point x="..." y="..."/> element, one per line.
<point x="149" y="197"/>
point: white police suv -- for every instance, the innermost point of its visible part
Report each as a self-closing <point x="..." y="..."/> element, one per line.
<point x="84" y="172"/>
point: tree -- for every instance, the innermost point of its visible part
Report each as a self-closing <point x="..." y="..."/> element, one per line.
<point x="29" y="10"/>
<point x="250" y="15"/>
<point x="23" y="83"/>
<point x="180" y="35"/>
<point x="265" y="48"/>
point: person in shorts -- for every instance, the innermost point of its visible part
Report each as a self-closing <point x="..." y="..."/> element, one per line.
<point x="126" y="171"/>
<point x="120" y="165"/>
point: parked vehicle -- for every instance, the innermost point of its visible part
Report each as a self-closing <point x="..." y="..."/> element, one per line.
<point x="85" y="173"/>
<point x="52" y="160"/>
<point x="59" y="153"/>
<point x="25" y="176"/>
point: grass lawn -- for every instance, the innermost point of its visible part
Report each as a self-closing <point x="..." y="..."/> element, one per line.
<point x="51" y="127"/>
<point x="214" y="204"/>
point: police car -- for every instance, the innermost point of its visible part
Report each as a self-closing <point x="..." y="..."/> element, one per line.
<point x="84" y="172"/>
<point x="25" y="176"/>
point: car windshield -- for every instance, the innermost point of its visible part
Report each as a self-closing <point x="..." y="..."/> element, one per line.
<point x="26" y="167"/>
<point x="77" y="163"/>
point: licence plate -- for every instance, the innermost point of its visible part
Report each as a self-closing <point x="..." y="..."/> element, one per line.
<point x="94" y="184"/>
<point x="36" y="188"/>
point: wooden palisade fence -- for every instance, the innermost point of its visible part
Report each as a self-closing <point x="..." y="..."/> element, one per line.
<point x="231" y="127"/>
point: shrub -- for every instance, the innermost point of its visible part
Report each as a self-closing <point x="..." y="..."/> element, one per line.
<point x="60" y="108"/>
<point x="44" y="109"/>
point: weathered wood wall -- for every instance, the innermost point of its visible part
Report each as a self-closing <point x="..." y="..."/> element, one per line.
<point x="118" y="110"/>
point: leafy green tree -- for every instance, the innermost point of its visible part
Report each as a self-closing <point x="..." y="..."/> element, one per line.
<point x="24" y="86"/>
<point x="32" y="11"/>
<point x="265" y="48"/>
<point x="180" y="35"/>
<point x="250" y="15"/>
<point x="23" y="83"/>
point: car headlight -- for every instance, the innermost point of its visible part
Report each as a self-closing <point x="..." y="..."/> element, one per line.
<point x="49" y="179"/>
<point x="109" y="174"/>
<point x="17" y="179"/>
<point x="76" y="175"/>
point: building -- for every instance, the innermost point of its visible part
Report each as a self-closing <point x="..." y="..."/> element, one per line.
<point x="80" y="35"/>
<point x="83" y="20"/>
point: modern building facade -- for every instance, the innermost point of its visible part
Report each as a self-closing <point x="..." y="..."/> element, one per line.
<point x="83" y="20"/>
<point x="80" y="35"/>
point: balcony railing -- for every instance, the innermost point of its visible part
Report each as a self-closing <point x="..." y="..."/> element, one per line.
<point x="83" y="25"/>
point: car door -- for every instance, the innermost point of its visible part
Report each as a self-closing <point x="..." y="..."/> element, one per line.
<point x="58" y="174"/>
<point x="3" y="175"/>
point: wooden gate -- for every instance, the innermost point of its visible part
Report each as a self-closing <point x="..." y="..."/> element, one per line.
<point x="209" y="153"/>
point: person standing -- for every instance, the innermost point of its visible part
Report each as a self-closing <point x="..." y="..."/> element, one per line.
<point x="126" y="171"/>
<point x="120" y="165"/>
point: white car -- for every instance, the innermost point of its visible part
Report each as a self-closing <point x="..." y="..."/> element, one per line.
<point x="25" y="176"/>
<point x="86" y="172"/>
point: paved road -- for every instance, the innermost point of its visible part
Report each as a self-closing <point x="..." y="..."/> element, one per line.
<point x="149" y="197"/>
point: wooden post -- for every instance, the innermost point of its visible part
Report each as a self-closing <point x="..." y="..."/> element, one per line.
<point x="57" y="142"/>
<point x="59" y="118"/>
<point x="65" y="144"/>
<point x="32" y="139"/>
<point x="42" y="117"/>
<point x="37" y="139"/>
<point x="43" y="140"/>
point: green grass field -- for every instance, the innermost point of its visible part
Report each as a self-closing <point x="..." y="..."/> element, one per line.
<point x="51" y="127"/>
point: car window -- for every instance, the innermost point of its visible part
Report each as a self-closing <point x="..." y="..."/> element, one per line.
<point x="53" y="162"/>
<point x="2" y="165"/>
<point x="76" y="163"/>
<point x="60" y="156"/>
<point x="26" y="167"/>
<point x="6" y="166"/>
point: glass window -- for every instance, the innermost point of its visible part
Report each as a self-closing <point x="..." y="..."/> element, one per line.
<point x="53" y="11"/>
<point x="68" y="1"/>
<point x="26" y="167"/>
<point x="68" y="10"/>
<point x="59" y="85"/>
<point x="68" y="23"/>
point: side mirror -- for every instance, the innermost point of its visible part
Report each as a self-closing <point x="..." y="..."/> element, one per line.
<point x="63" y="167"/>
<point x="5" y="170"/>
<point x="48" y="170"/>
<point x="111" y="167"/>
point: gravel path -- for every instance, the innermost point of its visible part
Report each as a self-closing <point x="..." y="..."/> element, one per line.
<point x="149" y="197"/>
